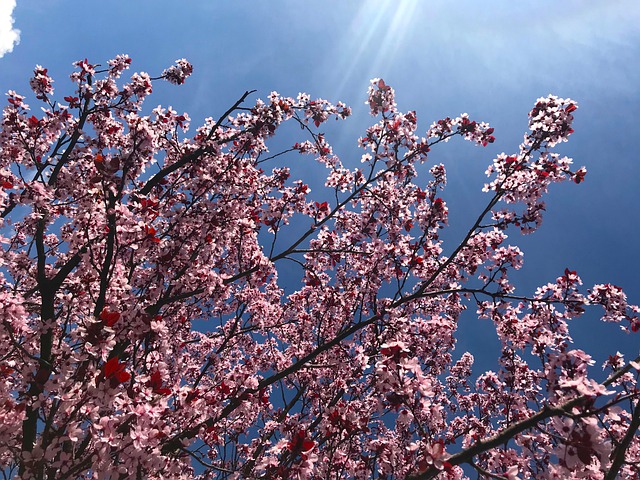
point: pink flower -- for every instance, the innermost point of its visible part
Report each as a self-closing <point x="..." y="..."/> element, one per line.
<point x="434" y="455"/>
<point x="381" y="97"/>
<point x="41" y="83"/>
<point x="512" y="473"/>
<point x="179" y="72"/>
<point x="118" y="65"/>
<point x="168" y="299"/>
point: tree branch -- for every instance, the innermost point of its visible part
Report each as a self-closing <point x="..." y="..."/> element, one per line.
<point x="467" y="455"/>
<point x="185" y="159"/>
<point x="621" y="450"/>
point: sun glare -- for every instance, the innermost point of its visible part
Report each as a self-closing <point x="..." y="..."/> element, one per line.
<point x="363" y="40"/>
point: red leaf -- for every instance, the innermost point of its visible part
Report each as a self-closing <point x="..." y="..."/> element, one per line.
<point x="7" y="184"/>
<point x="308" y="445"/>
<point x="111" y="367"/>
<point x="109" y="318"/>
<point x="382" y="85"/>
<point x="121" y="376"/>
<point x="322" y="206"/>
<point x="114" y="370"/>
<point x="191" y="396"/>
<point x="151" y="233"/>
<point x="390" y="351"/>
<point x="155" y="382"/>
<point x="578" y="177"/>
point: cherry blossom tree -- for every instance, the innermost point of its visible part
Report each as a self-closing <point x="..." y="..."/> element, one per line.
<point x="146" y="333"/>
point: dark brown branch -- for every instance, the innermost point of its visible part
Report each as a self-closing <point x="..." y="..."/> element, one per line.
<point x="467" y="455"/>
<point x="105" y="273"/>
<point x="190" y="157"/>
<point x="47" y="313"/>
<point x="72" y="143"/>
<point x="621" y="450"/>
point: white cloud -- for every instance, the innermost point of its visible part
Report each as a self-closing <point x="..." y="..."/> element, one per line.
<point x="9" y="36"/>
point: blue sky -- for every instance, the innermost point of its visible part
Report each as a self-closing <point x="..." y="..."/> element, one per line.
<point x="491" y="59"/>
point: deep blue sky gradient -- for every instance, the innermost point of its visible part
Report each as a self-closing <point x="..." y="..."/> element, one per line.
<point x="491" y="59"/>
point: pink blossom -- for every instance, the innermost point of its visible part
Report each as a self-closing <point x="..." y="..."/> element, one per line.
<point x="41" y="83"/>
<point x="179" y="72"/>
<point x="118" y="65"/>
<point x="174" y="300"/>
<point x="435" y="455"/>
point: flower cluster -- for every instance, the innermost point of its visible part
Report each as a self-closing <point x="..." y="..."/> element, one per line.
<point x="320" y="110"/>
<point x="550" y="121"/>
<point x="614" y="301"/>
<point x="145" y="324"/>
<point x="118" y="65"/>
<point x="480" y="133"/>
<point x="41" y="83"/>
<point x="381" y="97"/>
<point x="178" y="73"/>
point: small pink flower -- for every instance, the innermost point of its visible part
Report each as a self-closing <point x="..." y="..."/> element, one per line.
<point x="435" y="455"/>
<point x="41" y="83"/>
<point x="179" y="72"/>
<point x="512" y="473"/>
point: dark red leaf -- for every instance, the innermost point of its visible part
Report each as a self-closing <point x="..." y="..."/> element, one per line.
<point x="308" y="445"/>
<point x="109" y="318"/>
<point x="111" y="367"/>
